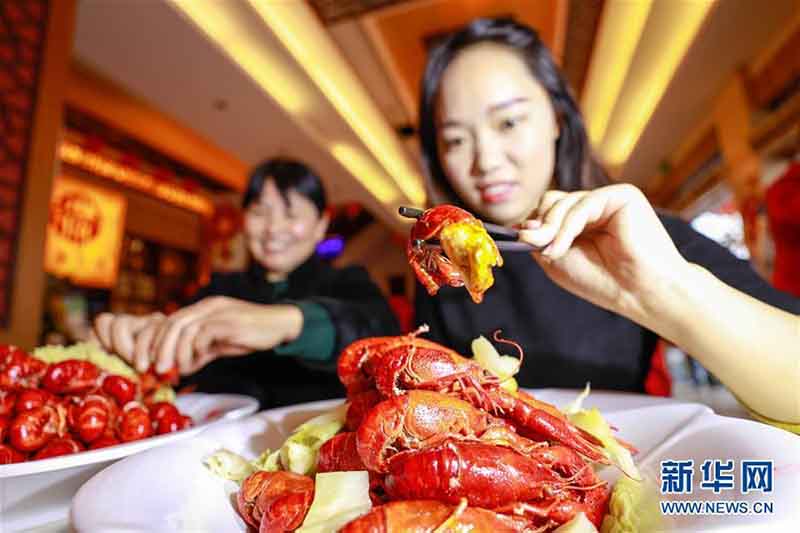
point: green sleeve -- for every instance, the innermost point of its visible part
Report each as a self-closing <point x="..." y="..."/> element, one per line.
<point x="318" y="337"/>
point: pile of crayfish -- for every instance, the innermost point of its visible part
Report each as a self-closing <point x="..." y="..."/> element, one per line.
<point x="447" y="448"/>
<point x="48" y="410"/>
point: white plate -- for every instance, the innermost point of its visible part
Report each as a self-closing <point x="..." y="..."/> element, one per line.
<point x="39" y="492"/>
<point x="168" y="489"/>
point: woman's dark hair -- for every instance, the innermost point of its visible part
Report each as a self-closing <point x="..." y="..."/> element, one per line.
<point x="575" y="168"/>
<point x="287" y="174"/>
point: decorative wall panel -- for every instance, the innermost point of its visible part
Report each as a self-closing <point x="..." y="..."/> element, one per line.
<point x="23" y="25"/>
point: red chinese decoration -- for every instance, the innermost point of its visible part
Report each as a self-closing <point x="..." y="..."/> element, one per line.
<point x="22" y="35"/>
<point x="76" y="217"/>
<point x="783" y="212"/>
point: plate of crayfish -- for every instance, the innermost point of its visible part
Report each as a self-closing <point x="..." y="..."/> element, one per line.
<point x="429" y="440"/>
<point x="67" y="412"/>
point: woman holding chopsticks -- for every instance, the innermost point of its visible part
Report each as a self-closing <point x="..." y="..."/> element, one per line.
<point x="502" y="137"/>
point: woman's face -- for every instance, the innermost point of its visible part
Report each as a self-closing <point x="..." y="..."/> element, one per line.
<point x="282" y="236"/>
<point x="496" y="133"/>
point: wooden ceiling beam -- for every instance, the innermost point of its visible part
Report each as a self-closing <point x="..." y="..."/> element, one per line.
<point x="777" y="73"/>
<point x="706" y="184"/>
<point x="778" y="123"/>
<point x="583" y="21"/>
<point x="402" y="32"/>
<point x="770" y="129"/>
<point x="767" y="80"/>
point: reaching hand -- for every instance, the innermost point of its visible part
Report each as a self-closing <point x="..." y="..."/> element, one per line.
<point x="194" y="336"/>
<point x="128" y="336"/>
<point x="220" y="326"/>
<point x="606" y="245"/>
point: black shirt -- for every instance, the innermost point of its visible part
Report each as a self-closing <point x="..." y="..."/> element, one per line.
<point x="567" y="340"/>
<point x="351" y="307"/>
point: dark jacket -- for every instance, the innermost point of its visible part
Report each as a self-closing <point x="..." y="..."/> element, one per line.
<point x="567" y="340"/>
<point x="338" y="305"/>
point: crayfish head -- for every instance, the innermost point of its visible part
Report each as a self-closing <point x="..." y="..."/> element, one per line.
<point x="354" y="361"/>
<point x="432" y="268"/>
<point x="380" y="431"/>
<point x="420" y="364"/>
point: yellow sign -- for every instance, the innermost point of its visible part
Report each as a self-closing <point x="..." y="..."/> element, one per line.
<point x="84" y="233"/>
<point x="147" y="183"/>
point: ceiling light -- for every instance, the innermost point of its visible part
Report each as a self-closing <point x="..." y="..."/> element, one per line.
<point x="223" y="23"/>
<point x="619" y="33"/>
<point x="296" y="25"/>
<point x="671" y="28"/>
<point x="370" y="174"/>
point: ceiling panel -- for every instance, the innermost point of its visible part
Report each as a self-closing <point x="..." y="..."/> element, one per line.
<point x="333" y="11"/>
<point x="732" y="36"/>
<point x="157" y="55"/>
<point x="583" y="19"/>
<point x="401" y="34"/>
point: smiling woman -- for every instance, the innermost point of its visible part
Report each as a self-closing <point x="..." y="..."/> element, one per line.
<point x="288" y="303"/>
<point x="502" y="137"/>
<point x="284" y="216"/>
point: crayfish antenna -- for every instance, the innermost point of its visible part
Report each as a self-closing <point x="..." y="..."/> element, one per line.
<point x="451" y="520"/>
<point x="497" y="338"/>
<point x="594" y="486"/>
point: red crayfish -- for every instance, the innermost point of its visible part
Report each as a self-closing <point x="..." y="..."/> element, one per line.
<point x="275" y="502"/>
<point x="470" y="251"/>
<point x="18" y="370"/>
<point x="61" y="408"/>
<point x="498" y="478"/>
<point x="446" y="448"/>
<point x="422" y="418"/>
<point x="431" y="516"/>
<point x="397" y="364"/>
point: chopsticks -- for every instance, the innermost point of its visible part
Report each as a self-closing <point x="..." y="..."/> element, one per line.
<point x="494" y="230"/>
<point x="503" y="246"/>
<point x="505" y="238"/>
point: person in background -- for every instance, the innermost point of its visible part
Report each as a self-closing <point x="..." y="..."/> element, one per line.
<point x="503" y="137"/>
<point x="274" y="331"/>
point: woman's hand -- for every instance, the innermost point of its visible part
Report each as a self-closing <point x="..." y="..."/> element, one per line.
<point x="220" y="326"/>
<point x="607" y="246"/>
<point x="128" y="336"/>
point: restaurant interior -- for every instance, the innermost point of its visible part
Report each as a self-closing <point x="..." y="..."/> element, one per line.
<point x="143" y="119"/>
<point x="128" y="129"/>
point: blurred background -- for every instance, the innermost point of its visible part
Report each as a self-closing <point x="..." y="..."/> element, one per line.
<point x="127" y="129"/>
